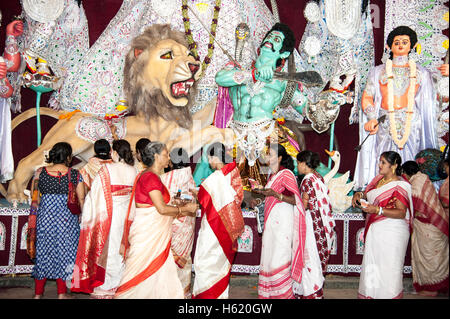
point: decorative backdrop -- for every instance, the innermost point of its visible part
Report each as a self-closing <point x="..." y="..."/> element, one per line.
<point x="347" y="257"/>
<point x="99" y="14"/>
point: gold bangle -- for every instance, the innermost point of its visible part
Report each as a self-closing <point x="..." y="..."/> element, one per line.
<point x="179" y="212"/>
<point x="281" y="197"/>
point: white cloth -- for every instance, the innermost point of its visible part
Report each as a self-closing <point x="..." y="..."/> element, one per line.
<point x="6" y="155"/>
<point x="210" y="263"/>
<point x="384" y="254"/>
<point x="120" y="174"/>
<point x="276" y="252"/>
<point x="384" y="251"/>
<point x="220" y="196"/>
<point x="312" y="276"/>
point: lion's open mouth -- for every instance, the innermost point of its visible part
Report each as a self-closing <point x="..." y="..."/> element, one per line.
<point x="181" y="89"/>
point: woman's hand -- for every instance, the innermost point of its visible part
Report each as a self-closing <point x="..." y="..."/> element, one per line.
<point x="370" y="209"/>
<point x="356" y="197"/>
<point x="194" y="192"/>
<point x="266" y="192"/>
<point x="189" y="209"/>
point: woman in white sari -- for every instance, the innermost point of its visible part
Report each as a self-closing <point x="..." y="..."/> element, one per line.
<point x="283" y="240"/>
<point x="387" y="232"/>
<point x="220" y="196"/>
<point x="150" y="269"/>
<point x="99" y="265"/>
<point x="179" y="178"/>
<point x="319" y="227"/>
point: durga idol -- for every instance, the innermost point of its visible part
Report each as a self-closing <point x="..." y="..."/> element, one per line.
<point x="403" y="92"/>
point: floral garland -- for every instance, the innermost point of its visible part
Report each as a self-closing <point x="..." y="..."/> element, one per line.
<point x="410" y="111"/>
<point x="192" y="45"/>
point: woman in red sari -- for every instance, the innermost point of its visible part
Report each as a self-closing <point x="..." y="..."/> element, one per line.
<point x="429" y="240"/>
<point x="387" y="202"/>
<point x="150" y="269"/>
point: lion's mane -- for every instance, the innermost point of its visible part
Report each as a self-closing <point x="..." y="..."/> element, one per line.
<point x="143" y="98"/>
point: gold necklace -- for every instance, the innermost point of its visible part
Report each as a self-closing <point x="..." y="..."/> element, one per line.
<point x="384" y="181"/>
<point x="410" y="111"/>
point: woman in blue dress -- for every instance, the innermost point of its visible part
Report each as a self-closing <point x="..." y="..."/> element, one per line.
<point x="57" y="229"/>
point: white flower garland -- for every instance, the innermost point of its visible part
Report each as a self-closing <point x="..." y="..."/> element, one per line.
<point x="411" y="93"/>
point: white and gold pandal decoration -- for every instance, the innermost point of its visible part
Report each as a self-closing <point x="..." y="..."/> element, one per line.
<point x="55" y="37"/>
<point x="338" y="40"/>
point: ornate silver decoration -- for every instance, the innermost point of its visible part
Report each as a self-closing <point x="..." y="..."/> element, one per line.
<point x="288" y="94"/>
<point x="43" y="10"/>
<point x="324" y="112"/>
<point x="49" y="82"/>
<point x="343" y="17"/>
<point x="251" y="137"/>
<point x="312" y="12"/>
<point x="312" y="46"/>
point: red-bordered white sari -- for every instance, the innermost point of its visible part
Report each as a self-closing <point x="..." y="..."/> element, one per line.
<point x="319" y="233"/>
<point x="98" y="265"/>
<point x="220" y="197"/>
<point x="150" y="270"/>
<point x="386" y="241"/>
<point x="90" y="170"/>
<point x="182" y="227"/>
<point x="429" y="240"/>
<point x="283" y="241"/>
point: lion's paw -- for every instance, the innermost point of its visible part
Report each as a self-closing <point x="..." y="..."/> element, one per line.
<point x="17" y="198"/>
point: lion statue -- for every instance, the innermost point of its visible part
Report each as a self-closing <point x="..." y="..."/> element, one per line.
<point x="160" y="77"/>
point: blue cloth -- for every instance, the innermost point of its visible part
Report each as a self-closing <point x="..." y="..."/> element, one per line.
<point x="57" y="230"/>
<point x="57" y="233"/>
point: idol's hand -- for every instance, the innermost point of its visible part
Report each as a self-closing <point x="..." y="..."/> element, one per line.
<point x="371" y="126"/>
<point x="444" y="69"/>
<point x="264" y="73"/>
<point x="15" y="28"/>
